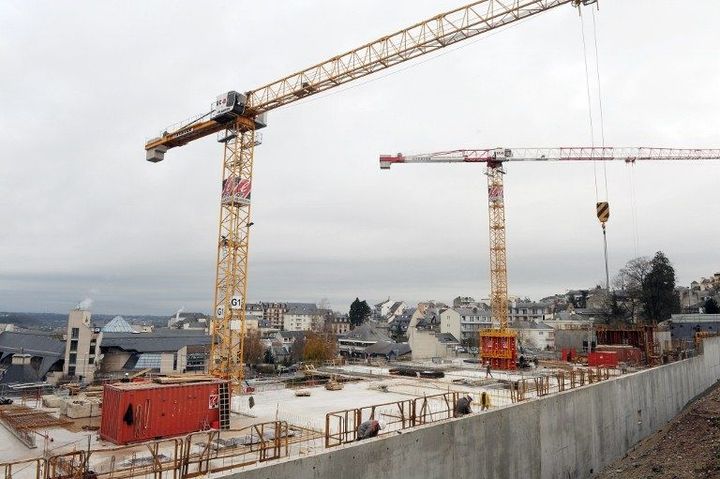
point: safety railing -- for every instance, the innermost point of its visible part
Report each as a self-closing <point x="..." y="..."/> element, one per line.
<point x="341" y="427"/>
<point x="197" y="454"/>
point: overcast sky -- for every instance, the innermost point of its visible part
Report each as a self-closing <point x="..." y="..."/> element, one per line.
<point x="82" y="214"/>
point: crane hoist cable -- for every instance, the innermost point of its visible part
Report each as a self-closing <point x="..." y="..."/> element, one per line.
<point x="602" y="208"/>
<point x="600" y="99"/>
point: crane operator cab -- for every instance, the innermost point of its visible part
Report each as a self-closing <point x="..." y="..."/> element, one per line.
<point x="231" y="105"/>
<point x="227" y="107"/>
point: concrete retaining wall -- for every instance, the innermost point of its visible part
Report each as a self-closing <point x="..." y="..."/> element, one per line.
<point x="568" y="435"/>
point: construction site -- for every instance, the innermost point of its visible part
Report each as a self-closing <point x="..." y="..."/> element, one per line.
<point x="567" y="414"/>
<point x="190" y="425"/>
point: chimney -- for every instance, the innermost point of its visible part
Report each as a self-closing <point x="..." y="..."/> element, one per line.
<point x="21" y="359"/>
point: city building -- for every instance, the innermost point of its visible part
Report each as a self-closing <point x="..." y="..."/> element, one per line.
<point x="465" y="323"/>
<point x="395" y="310"/>
<point x="389" y="350"/>
<point x="195" y="321"/>
<point x="425" y="335"/>
<point x="287" y="338"/>
<point x="82" y="346"/>
<point x="534" y="335"/>
<point x="274" y="313"/>
<point x="254" y="314"/>
<point x="356" y="341"/>
<point x="164" y="351"/>
<point x="381" y="310"/>
<point x="528" y="311"/>
<point x="464" y="302"/>
<point x="339" y="323"/>
<point x="30" y="356"/>
<point x="301" y="317"/>
<point x="398" y="327"/>
<point x="685" y="326"/>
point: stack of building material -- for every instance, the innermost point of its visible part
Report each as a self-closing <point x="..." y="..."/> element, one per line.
<point x="52" y="401"/>
<point x="78" y="408"/>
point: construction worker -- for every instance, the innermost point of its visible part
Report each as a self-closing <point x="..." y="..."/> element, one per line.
<point x="462" y="407"/>
<point x="485" y="401"/>
<point x="369" y="429"/>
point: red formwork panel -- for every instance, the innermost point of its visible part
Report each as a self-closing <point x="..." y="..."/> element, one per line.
<point x="135" y="412"/>
<point x="603" y="358"/>
<point x="499" y="349"/>
<point x="625" y="353"/>
<point x="568" y="354"/>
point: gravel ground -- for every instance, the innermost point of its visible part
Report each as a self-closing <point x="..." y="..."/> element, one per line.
<point x="687" y="447"/>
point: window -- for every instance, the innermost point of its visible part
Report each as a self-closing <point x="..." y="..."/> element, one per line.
<point x="73" y="345"/>
<point x="148" y="360"/>
<point x="75" y="333"/>
<point x="71" y="371"/>
<point x="91" y="360"/>
<point x="73" y="358"/>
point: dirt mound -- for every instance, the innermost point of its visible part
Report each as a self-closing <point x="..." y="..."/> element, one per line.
<point x="687" y="447"/>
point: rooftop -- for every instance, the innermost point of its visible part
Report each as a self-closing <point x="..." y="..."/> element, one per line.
<point x="367" y="332"/>
<point x="162" y="340"/>
<point x="117" y="325"/>
<point x="31" y="342"/>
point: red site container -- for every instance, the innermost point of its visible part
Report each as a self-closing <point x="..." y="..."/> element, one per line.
<point x="603" y="358"/>
<point x="625" y="353"/>
<point x="135" y="412"/>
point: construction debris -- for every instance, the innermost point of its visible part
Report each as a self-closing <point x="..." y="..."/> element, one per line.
<point x="333" y="384"/>
<point x="23" y="418"/>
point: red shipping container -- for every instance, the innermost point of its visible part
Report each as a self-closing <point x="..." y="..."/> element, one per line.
<point x="603" y="358"/>
<point x="135" y="412"/>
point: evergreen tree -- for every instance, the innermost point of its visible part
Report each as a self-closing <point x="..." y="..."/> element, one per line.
<point x="359" y="312"/>
<point x="269" y="358"/>
<point x="658" y="296"/>
<point x="711" y="306"/>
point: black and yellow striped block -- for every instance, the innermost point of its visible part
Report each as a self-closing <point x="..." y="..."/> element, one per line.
<point x="603" y="211"/>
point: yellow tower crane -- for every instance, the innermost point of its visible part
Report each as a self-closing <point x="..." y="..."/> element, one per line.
<point x="235" y="117"/>
<point x="498" y="344"/>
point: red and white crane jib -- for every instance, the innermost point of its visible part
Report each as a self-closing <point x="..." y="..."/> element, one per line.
<point x="608" y="153"/>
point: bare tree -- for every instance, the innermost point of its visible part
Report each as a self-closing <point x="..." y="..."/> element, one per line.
<point x="631" y="279"/>
<point x="253" y="348"/>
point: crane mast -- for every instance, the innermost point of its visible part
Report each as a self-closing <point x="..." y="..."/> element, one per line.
<point x="235" y="117"/>
<point x="497" y="345"/>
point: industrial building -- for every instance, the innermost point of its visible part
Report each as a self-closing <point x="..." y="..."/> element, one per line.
<point x="29" y="356"/>
<point x="110" y="351"/>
